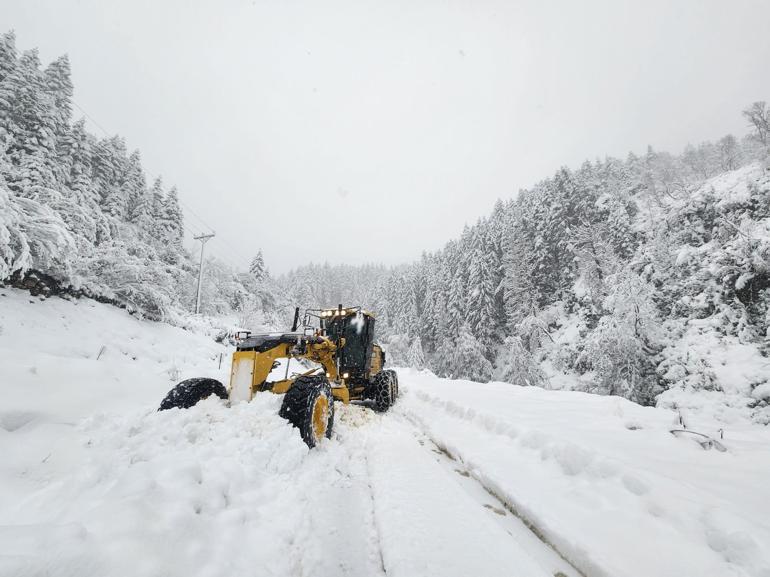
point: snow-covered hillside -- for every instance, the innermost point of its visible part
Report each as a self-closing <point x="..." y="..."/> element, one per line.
<point x="63" y="361"/>
<point x="459" y="478"/>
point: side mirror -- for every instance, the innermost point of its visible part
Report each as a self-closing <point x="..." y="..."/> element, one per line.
<point x="296" y="320"/>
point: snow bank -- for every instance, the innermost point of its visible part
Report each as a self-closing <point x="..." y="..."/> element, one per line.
<point x="162" y="484"/>
<point x="603" y="480"/>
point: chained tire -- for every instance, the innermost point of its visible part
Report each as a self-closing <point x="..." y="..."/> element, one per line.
<point x="309" y="406"/>
<point x="394" y="384"/>
<point x="190" y="392"/>
<point x="382" y="391"/>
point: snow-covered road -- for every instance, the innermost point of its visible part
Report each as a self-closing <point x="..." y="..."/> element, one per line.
<point x="227" y="491"/>
<point x="458" y="478"/>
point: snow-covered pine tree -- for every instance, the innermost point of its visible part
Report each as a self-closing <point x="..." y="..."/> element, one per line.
<point x="481" y="291"/>
<point x="387" y="306"/>
<point x="457" y="290"/>
<point x="403" y="314"/>
<point x="257" y="267"/>
<point x="496" y="237"/>
<point x="301" y="288"/>
<point x="31" y="127"/>
<point x="433" y="318"/>
<point x="8" y="63"/>
<point x="520" y="296"/>
<point x="57" y="84"/>
<point x="262" y="287"/>
<point x="552" y="259"/>
<point x="82" y="213"/>
<point x="8" y="57"/>
<point x="173" y="220"/>
<point x="157" y="210"/>
<point x="139" y="200"/>
<point x="416" y="357"/>
<point x="417" y="288"/>
<point x="110" y="168"/>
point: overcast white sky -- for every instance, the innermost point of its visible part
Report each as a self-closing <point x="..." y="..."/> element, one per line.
<point x="370" y="130"/>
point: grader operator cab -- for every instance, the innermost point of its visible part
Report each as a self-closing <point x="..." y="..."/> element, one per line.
<point x="339" y="360"/>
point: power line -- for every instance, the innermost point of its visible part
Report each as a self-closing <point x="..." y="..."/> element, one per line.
<point x="195" y="214"/>
<point x="92" y="119"/>
<point x="194" y="232"/>
<point x="151" y="177"/>
<point x="246" y="261"/>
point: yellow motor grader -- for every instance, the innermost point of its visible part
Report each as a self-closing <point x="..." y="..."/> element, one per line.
<point x="336" y="349"/>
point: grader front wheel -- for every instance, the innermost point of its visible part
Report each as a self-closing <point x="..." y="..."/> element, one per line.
<point x="189" y="392"/>
<point x="309" y="406"/>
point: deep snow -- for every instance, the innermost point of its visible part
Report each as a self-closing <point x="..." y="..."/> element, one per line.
<point x="94" y="481"/>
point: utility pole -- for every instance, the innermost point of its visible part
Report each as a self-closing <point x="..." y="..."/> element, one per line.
<point x="203" y="238"/>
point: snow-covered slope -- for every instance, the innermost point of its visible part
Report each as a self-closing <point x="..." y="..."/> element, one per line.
<point x="458" y="478"/>
<point x="66" y="360"/>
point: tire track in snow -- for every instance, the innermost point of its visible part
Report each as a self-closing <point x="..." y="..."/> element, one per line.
<point x="357" y="419"/>
<point x="340" y="536"/>
<point x="374" y="518"/>
<point x="553" y="558"/>
<point x="428" y="524"/>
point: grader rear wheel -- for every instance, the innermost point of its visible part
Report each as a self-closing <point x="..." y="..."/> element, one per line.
<point x="309" y="406"/>
<point x="383" y="391"/>
<point x="394" y="383"/>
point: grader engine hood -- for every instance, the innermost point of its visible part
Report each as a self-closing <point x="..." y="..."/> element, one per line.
<point x="262" y="343"/>
<point x="255" y="356"/>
